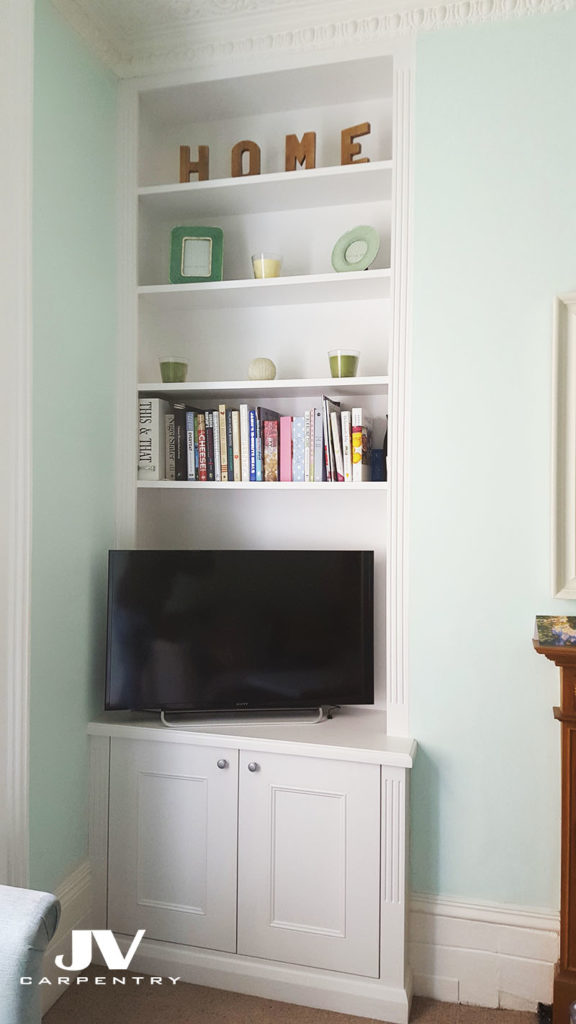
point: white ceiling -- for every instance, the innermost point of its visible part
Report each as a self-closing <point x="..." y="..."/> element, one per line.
<point x="136" y="37"/>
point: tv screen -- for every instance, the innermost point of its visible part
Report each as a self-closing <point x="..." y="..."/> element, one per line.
<point x="229" y="630"/>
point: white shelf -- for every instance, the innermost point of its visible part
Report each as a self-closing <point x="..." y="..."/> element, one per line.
<point x="353" y="386"/>
<point x="371" y="485"/>
<point x="349" y="286"/>
<point x="263" y="193"/>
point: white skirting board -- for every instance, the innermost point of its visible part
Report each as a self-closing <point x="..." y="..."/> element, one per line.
<point x="325" y="990"/>
<point x="75" y="895"/>
<point x="483" y="954"/>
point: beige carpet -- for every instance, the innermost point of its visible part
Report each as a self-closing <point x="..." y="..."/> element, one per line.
<point x="191" y="1004"/>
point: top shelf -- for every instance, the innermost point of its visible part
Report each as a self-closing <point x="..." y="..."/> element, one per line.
<point x="288" y="190"/>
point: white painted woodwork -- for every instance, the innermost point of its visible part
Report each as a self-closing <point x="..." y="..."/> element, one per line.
<point x="321" y="841"/>
<point x="282" y="190"/>
<point x="564" y="448"/>
<point x="172" y="858"/>
<point x="309" y="862"/>
<point x="220" y="327"/>
<point x="235" y="485"/>
<point x="353" y="734"/>
<point x="399" y="413"/>
<point x="98" y="818"/>
<point x="488" y="954"/>
<point x="16" y="111"/>
<point x="350" y="387"/>
<point x="296" y="289"/>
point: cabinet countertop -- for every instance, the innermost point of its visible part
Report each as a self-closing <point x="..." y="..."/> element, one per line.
<point x="352" y="734"/>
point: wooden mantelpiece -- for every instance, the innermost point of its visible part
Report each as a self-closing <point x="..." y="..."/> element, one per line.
<point x="565" y="975"/>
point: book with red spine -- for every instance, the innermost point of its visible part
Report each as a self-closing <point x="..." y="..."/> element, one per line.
<point x="202" y="454"/>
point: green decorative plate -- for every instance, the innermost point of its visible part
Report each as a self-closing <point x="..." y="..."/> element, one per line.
<point x="357" y="249"/>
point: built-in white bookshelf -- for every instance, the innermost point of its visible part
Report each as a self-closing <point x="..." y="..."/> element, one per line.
<point x="220" y="327"/>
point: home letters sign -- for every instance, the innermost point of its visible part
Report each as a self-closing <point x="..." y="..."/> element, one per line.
<point x="298" y="152"/>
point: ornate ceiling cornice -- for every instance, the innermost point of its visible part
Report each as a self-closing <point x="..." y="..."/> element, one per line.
<point x="140" y="37"/>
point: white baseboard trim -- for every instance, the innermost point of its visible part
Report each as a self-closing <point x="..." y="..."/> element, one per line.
<point x="75" y="895"/>
<point x="325" y="990"/>
<point x="484" y="954"/>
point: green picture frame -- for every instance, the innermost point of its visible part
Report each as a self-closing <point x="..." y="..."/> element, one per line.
<point x="196" y="255"/>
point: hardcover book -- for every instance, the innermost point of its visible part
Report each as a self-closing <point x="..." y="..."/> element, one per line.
<point x="180" y="441"/>
<point x="229" y="445"/>
<point x="329" y="406"/>
<point x="307" y="445"/>
<point x="190" y="445"/>
<point x="319" y="464"/>
<point x="170" y="446"/>
<point x="286" y="448"/>
<point x="346" y="424"/>
<point x="244" y="443"/>
<point x="209" y="446"/>
<point x="202" y="453"/>
<point x="298" y="447"/>
<point x="223" y="443"/>
<point x="151" y="438"/>
<point x="252" y="442"/>
<point x="336" y="441"/>
<point x="236" y="445"/>
<point x="270" y="439"/>
<point x="216" y="442"/>
<point x="361" y="445"/>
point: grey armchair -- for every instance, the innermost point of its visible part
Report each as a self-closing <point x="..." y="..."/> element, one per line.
<point x="28" y="920"/>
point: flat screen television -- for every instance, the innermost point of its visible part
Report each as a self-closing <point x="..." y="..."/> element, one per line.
<point x="239" y="630"/>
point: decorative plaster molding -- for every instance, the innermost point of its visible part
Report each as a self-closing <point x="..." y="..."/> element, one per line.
<point x="142" y="37"/>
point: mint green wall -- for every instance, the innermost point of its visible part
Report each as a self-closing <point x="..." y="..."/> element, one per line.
<point x="495" y="241"/>
<point x="73" y="412"/>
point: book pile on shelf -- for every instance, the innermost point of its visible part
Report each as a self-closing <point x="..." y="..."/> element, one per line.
<point x="327" y="443"/>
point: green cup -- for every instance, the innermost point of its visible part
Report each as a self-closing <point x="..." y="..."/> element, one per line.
<point x="343" y="362"/>
<point x="173" y="370"/>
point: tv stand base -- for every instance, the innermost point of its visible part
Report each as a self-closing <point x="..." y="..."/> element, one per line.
<point x="289" y="716"/>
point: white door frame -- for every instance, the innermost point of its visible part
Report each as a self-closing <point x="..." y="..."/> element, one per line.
<point x="16" y="113"/>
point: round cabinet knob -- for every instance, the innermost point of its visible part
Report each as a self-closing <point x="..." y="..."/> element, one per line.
<point x="253" y="767"/>
<point x="222" y="763"/>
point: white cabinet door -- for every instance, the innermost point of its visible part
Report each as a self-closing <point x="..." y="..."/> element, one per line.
<point x="173" y="842"/>
<point x="309" y="862"/>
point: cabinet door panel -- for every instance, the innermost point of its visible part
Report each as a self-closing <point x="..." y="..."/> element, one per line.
<point x="172" y="867"/>
<point x="309" y="862"/>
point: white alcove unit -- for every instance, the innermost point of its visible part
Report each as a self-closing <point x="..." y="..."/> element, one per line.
<point x="263" y="859"/>
<point x="286" y="879"/>
<point x="219" y="327"/>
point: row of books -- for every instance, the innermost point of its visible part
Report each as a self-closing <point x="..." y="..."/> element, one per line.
<point x="327" y="443"/>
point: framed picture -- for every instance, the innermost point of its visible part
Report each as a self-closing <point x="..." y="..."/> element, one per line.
<point x="564" y="447"/>
<point x="196" y="255"/>
<point x="356" y="250"/>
